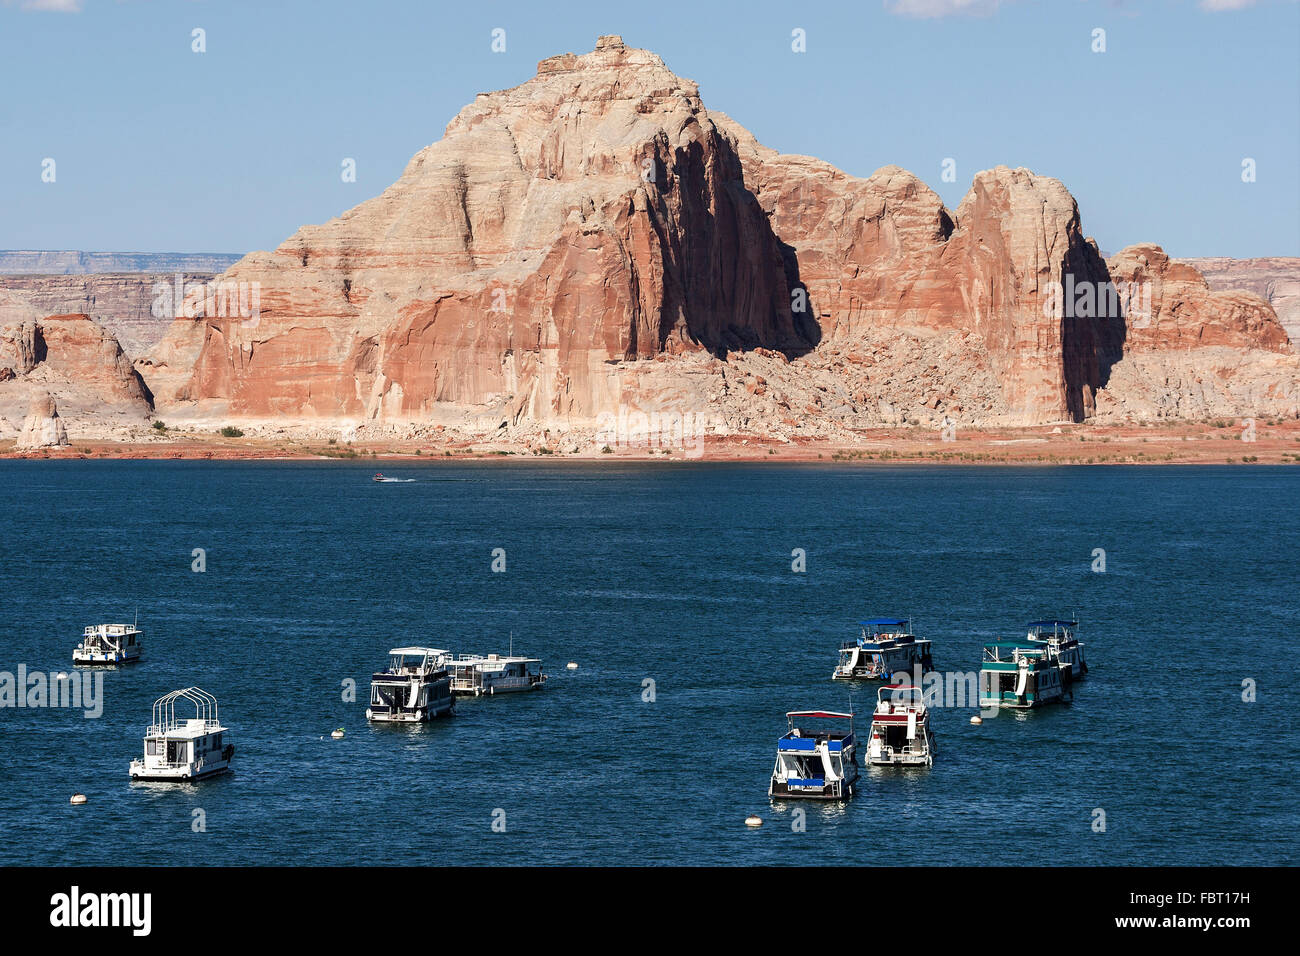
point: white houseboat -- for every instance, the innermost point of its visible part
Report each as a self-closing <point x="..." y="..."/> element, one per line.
<point x="183" y="747"/>
<point x="816" y="759"/>
<point x="475" y="675"/>
<point x="1059" y="638"/>
<point x="900" y="729"/>
<point x="415" y="687"/>
<point x="885" y="647"/>
<point x="1020" y="676"/>
<point x="108" y="644"/>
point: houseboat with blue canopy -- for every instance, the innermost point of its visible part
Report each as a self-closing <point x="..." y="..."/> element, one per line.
<point x="1059" y="638"/>
<point x="1017" y="675"/>
<point x="416" y="687"/>
<point x="885" y="647"/>
<point x="816" y="759"/>
<point x="900" y="729"/>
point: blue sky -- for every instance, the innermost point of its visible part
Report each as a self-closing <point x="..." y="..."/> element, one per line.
<point x="158" y="148"/>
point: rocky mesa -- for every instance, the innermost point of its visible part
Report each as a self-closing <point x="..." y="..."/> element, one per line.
<point x="595" y="240"/>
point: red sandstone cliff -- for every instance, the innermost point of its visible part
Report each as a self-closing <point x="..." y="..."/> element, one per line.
<point x="591" y="239"/>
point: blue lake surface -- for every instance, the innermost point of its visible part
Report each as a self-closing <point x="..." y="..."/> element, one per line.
<point x="675" y="573"/>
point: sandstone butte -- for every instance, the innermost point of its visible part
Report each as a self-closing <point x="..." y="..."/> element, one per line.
<point x="596" y="241"/>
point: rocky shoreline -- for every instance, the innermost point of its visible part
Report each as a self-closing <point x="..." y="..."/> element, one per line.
<point x="1221" y="442"/>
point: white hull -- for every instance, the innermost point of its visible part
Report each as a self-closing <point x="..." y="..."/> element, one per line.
<point x="181" y="774"/>
<point x="493" y="689"/>
<point x="420" y="716"/>
<point x="95" y="657"/>
<point x="882" y="756"/>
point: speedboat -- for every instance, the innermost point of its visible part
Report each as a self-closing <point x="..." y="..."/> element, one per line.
<point x="816" y="759"/>
<point x="1018" y="674"/>
<point x="885" y="647"/>
<point x="108" y="644"/>
<point x="414" y="688"/>
<point x="900" y="729"/>
<point x="1058" y="637"/>
<point x="379" y="476"/>
<point x="184" y="748"/>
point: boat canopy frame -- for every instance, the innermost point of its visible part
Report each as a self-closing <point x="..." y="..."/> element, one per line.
<point x="898" y="694"/>
<point x="164" y="711"/>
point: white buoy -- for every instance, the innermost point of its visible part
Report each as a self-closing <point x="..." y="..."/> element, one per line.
<point x="753" y="820"/>
<point x="977" y="719"/>
<point x="572" y="665"/>
<point x="78" y="798"/>
<point x="338" y="734"/>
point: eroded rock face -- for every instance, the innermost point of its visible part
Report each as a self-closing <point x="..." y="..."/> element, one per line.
<point x="881" y="257"/>
<point x="1275" y="278"/>
<point x="70" y="357"/>
<point x="596" y="239"/>
<point x="42" y="428"/>
<point x="593" y="214"/>
<point x="1190" y="352"/>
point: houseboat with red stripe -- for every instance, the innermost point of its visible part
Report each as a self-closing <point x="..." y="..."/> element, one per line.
<point x="900" y="729"/>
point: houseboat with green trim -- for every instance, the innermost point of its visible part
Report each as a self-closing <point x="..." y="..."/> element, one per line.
<point x="1019" y="676"/>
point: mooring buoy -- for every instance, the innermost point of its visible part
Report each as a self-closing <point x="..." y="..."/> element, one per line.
<point x="78" y="799"/>
<point x="977" y="719"/>
<point x="753" y="820"/>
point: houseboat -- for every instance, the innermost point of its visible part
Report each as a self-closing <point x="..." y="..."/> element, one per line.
<point x="1016" y="675"/>
<point x="476" y="675"/>
<point x="885" y="647"/>
<point x="816" y="759"/>
<point x="900" y="729"/>
<point x="1058" y="637"/>
<point x="108" y="644"/>
<point x="181" y="747"/>
<point x="415" y="687"/>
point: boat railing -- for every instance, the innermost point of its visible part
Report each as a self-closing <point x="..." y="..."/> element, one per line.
<point x="161" y="730"/>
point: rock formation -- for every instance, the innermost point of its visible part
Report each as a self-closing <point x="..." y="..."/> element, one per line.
<point x="1190" y="352"/>
<point x="1275" y="279"/>
<point x="42" y="428"/>
<point x="595" y="239"/>
<point x="70" y="357"/>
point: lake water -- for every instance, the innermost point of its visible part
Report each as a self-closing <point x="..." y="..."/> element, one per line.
<point x="678" y="574"/>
